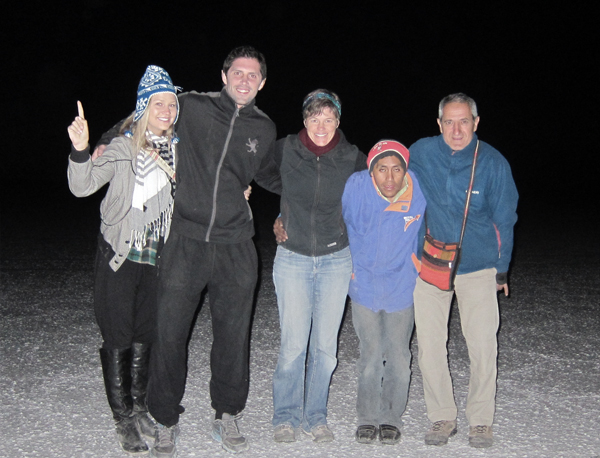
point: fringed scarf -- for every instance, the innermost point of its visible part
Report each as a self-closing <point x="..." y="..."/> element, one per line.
<point x="152" y="204"/>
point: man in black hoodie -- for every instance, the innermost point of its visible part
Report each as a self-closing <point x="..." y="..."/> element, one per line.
<point x="225" y="141"/>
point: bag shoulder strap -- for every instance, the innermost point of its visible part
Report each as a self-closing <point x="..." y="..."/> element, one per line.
<point x="468" y="202"/>
<point x="162" y="164"/>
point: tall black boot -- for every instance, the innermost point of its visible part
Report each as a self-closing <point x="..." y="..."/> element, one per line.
<point x="116" y="367"/>
<point x="140" y="359"/>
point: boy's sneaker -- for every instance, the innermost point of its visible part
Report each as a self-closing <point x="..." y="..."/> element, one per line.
<point x="227" y="433"/>
<point x="320" y="433"/>
<point x="366" y="434"/>
<point x="165" y="442"/>
<point x="284" y="433"/>
<point x="481" y="436"/>
<point x="440" y="432"/>
<point x="389" y="434"/>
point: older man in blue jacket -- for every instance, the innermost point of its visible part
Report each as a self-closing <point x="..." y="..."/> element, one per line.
<point x="383" y="210"/>
<point x="443" y="165"/>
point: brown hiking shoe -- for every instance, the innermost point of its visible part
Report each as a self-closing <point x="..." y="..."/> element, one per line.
<point x="481" y="436"/>
<point x="440" y="432"/>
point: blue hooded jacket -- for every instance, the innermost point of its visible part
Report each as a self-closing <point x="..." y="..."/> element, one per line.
<point x="383" y="242"/>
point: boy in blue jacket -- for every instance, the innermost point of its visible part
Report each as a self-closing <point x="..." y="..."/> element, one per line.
<point x="383" y="209"/>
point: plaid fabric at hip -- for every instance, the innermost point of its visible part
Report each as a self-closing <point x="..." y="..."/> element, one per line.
<point x="439" y="263"/>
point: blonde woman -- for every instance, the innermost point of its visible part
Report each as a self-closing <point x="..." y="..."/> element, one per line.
<point x="139" y="167"/>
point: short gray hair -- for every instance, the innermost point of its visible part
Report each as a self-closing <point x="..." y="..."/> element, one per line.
<point x="459" y="97"/>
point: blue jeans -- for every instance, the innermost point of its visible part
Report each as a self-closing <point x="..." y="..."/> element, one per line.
<point x="384" y="364"/>
<point x="311" y="296"/>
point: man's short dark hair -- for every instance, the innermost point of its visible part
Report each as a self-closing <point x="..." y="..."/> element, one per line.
<point x="248" y="52"/>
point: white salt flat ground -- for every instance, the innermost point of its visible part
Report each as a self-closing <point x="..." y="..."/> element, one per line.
<point x="53" y="404"/>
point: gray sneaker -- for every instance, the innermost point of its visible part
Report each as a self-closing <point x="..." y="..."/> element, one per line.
<point x="481" y="436"/>
<point x="320" y="433"/>
<point x="165" y="442"/>
<point x="440" y="432"/>
<point x="284" y="433"/>
<point x="227" y="433"/>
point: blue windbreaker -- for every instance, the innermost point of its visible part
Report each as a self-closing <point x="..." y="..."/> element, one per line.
<point x="383" y="242"/>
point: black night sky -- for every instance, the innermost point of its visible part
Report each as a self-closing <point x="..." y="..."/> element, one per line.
<point x="529" y="67"/>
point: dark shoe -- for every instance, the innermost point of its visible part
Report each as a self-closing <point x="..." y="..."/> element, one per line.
<point x="389" y="434"/>
<point x="140" y="359"/>
<point x="116" y="369"/>
<point x="227" y="433"/>
<point x="481" y="436"/>
<point x="165" y="444"/>
<point x="440" y="432"/>
<point x="129" y="437"/>
<point x="146" y="426"/>
<point x="366" y="434"/>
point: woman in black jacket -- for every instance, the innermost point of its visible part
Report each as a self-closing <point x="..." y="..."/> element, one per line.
<point x="312" y="267"/>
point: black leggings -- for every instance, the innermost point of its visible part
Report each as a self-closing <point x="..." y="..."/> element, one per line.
<point x="125" y="300"/>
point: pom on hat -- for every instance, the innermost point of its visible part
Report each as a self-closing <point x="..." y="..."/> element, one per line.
<point x="387" y="148"/>
<point x="154" y="81"/>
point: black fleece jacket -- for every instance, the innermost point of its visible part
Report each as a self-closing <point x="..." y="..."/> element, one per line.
<point x="221" y="150"/>
<point x="311" y="199"/>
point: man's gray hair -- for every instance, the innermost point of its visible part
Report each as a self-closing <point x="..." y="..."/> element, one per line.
<point x="459" y="97"/>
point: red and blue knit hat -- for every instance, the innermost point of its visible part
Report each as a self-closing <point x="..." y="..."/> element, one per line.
<point x="386" y="148"/>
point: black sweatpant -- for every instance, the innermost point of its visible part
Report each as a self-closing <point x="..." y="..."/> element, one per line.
<point x="230" y="273"/>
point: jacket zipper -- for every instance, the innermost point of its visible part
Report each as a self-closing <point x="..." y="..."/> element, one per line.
<point x="213" y="216"/>
<point x="315" y="203"/>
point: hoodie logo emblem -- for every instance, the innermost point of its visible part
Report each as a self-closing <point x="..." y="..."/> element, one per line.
<point x="252" y="145"/>
<point x="408" y="220"/>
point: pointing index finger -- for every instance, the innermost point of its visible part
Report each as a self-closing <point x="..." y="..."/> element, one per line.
<point x="80" y="109"/>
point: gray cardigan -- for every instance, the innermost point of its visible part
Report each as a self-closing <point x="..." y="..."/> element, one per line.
<point x="116" y="166"/>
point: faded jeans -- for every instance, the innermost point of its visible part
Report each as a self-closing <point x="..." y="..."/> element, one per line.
<point x="384" y="364"/>
<point x="311" y="296"/>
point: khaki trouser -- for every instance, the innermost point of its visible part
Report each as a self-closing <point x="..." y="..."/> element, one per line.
<point x="478" y="306"/>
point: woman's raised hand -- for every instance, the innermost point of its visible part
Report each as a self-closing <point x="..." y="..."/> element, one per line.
<point x="78" y="130"/>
